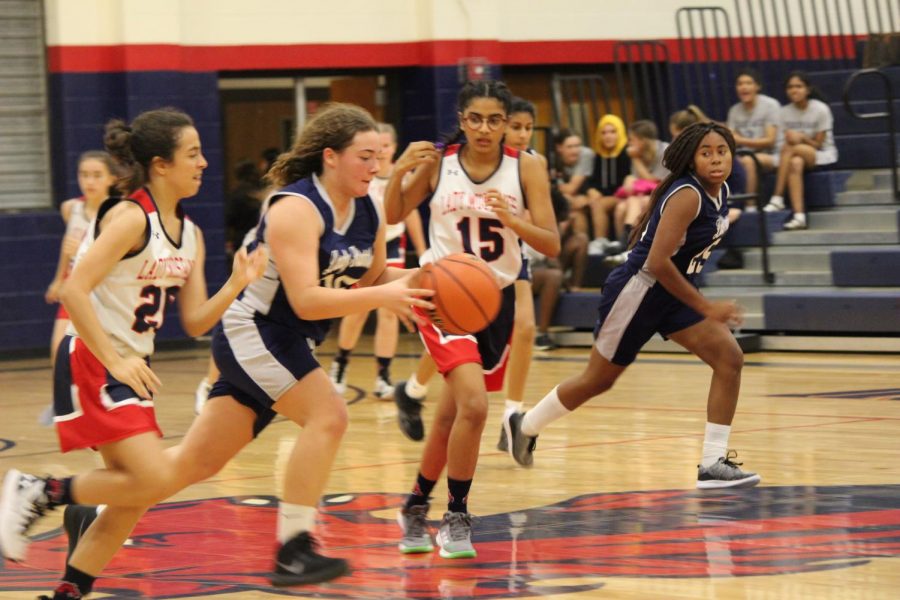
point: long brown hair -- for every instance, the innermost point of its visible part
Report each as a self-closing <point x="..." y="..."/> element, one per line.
<point x="334" y="126"/>
<point x="679" y="160"/>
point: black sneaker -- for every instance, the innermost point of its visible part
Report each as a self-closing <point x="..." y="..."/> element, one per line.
<point x="297" y="562"/>
<point x="543" y="342"/>
<point x="76" y="520"/>
<point x="409" y="413"/>
<point x="521" y="446"/>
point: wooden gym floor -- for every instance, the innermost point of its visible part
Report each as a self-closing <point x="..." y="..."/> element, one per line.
<point x="609" y="509"/>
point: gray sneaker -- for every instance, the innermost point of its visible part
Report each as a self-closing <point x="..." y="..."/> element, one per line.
<point x="725" y="473"/>
<point x="416" y="536"/>
<point x="455" y="536"/>
<point x="502" y="443"/>
<point x="521" y="446"/>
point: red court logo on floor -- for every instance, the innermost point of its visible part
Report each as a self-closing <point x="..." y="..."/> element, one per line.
<point x="226" y="545"/>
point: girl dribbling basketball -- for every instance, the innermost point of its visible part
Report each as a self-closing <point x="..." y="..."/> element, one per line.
<point x="479" y="189"/>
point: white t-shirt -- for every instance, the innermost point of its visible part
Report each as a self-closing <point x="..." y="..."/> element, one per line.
<point x="752" y="123"/>
<point x="815" y="118"/>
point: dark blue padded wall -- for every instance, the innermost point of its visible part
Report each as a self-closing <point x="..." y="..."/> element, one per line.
<point x="874" y="267"/>
<point x="81" y="103"/>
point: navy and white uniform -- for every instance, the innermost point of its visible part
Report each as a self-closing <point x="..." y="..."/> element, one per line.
<point x="262" y="347"/>
<point x="91" y="407"/>
<point x="634" y="305"/>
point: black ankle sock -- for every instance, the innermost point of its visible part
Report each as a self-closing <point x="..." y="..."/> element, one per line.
<point x="421" y="493"/>
<point x="384" y="366"/>
<point x="458" y="494"/>
<point x="58" y="491"/>
<point x="343" y="356"/>
<point x="80" y="579"/>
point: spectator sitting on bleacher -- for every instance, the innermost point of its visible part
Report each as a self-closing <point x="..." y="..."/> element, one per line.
<point x="573" y="244"/>
<point x="572" y="166"/>
<point x="646" y="152"/>
<point x="805" y="142"/>
<point x="546" y="282"/>
<point x="754" y="123"/>
<point x="611" y="166"/>
<point x="737" y="181"/>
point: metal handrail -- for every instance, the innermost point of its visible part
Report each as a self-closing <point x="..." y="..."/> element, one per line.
<point x="767" y="275"/>
<point x="888" y="115"/>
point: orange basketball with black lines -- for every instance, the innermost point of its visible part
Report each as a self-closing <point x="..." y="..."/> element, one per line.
<point x="466" y="294"/>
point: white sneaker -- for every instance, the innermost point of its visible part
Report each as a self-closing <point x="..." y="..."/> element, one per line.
<point x="597" y="247"/>
<point x="201" y="395"/>
<point x="795" y="224"/>
<point x="338" y="375"/>
<point x="383" y="389"/>
<point x="22" y="503"/>
<point x="775" y="204"/>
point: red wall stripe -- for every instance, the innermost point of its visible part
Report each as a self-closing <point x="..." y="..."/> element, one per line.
<point x="163" y="57"/>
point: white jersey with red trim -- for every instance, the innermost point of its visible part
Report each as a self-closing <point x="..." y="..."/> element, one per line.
<point x="377" y="187"/>
<point x="461" y="222"/>
<point x="131" y="300"/>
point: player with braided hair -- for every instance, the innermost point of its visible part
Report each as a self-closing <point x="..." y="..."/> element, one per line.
<point x="655" y="291"/>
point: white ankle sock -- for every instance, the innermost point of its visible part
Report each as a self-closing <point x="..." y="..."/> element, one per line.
<point x="715" y="443"/>
<point x="545" y="412"/>
<point x="294" y="519"/>
<point x="801" y="217"/>
<point x="511" y="406"/>
<point x="414" y="389"/>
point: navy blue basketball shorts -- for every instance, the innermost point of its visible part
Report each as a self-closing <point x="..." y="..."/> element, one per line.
<point x="259" y="361"/>
<point x="633" y="307"/>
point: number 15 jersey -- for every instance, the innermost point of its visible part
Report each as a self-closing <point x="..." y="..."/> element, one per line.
<point x="132" y="299"/>
<point x="461" y="222"/>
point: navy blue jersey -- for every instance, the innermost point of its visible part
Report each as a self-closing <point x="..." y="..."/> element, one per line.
<point x="704" y="232"/>
<point x="345" y="255"/>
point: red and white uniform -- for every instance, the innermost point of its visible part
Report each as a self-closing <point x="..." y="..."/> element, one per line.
<point x="461" y="222"/>
<point x="92" y="407"/>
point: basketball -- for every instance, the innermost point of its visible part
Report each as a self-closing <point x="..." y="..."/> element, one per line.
<point x="466" y="294"/>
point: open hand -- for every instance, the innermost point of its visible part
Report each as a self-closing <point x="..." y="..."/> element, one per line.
<point x="134" y="372"/>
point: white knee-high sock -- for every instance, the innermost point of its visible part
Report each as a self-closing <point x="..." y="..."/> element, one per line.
<point x="294" y="519"/>
<point x="546" y="411"/>
<point x="715" y="443"/>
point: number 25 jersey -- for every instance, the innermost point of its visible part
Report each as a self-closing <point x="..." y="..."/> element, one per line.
<point x="461" y="222"/>
<point x="132" y="299"/>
